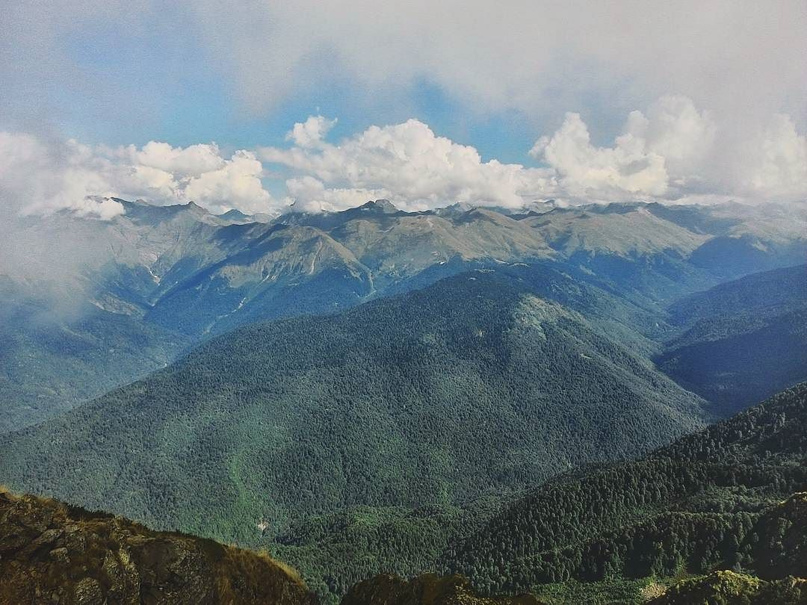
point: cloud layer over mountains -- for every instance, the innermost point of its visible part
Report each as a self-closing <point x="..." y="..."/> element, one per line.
<point x="672" y="150"/>
<point x="673" y="100"/>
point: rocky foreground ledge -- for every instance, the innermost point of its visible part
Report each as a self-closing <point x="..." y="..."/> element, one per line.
<point x="54" y="553"/>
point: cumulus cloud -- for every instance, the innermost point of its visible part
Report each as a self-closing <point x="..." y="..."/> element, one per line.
<point x="781" y="166"/>
<point x="309" y="194"/>
<point x="311" y="132"/>
<point x="671" y="150"/>
<point x="194" y="160"/>
<point x="732" y="65"/>
<point x="406" y="162"/>
<point x="660" y="153"/>
<point x="42" y="176"/>
<point x="37" y="177"/>
<point x="237" y="184"/>
<point x="743" y="61"/>
<point x="676" y="130"/>
<point x="586" y="171"/>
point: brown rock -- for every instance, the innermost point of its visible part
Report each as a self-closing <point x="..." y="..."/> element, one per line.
<point x="71" y="556"/>
<point x="60" y="555"/>
<point x="88" y="592"/>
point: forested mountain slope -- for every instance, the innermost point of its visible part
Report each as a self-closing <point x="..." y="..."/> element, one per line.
<point x="744" y="340"/>
<point x="473" y="385"/>
<point x="721" y="498"/>
<point x="628" y="533"/>
<point x="427" y="589"/>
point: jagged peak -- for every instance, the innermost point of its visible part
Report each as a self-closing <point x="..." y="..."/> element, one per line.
<point x="196" y="208"/>
<point x="455" y="209"/>
<point x="382" y="205"/>
<point x="234" y="213"/>
<point x="137" y="202"/>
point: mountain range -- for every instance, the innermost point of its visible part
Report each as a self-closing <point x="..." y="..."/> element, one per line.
<point x="117" y="299"/>
<point x="474" y="385"/>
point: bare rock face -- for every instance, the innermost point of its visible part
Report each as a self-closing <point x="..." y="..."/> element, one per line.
<point x="427" y="589"/>
<point x="54" y="553"/>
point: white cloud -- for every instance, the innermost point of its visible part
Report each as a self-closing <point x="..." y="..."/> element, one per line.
<point x="189" y="161"/>
<point x="589" y="172"/>
<point x="781" y="164"/>
<point x="742" y="57"/>
<point x="743" y="61"/>
<point x="310" y="133"/>
<point x="409" y="164"/>
<point x="236" y="184"/>
<point x="672" y="150"/>
<point x="309" y="194"/>
<point x="677" y="131"/>
<point x="35" y="177"/>
<point x="738" y="57"/>
<point x="38" y="176"/>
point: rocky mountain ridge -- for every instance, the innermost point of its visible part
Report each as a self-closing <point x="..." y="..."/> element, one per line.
<point x="125" y="296"/>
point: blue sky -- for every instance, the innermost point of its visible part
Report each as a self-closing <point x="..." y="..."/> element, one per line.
<point x="624" y="100"/>
<point x="152" y="84"/>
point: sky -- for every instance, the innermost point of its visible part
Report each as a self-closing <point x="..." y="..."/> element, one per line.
<point x="320" y="106"/>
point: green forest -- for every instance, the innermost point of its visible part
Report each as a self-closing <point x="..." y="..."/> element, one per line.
<point x="726" y="498"/>
<point x="494" y="425"/>
<point x="474" y="386"/>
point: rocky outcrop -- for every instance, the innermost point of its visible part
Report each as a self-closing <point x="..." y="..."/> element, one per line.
<point x="729" y="588"/>
<point x="427" y="589"/>
<point x="54" y="553"/>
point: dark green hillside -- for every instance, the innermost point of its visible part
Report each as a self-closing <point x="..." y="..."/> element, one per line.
<point x="745" y="340"/>
<point x="335" y="551"/>
<point x="767" y="293"/>
<point x="427" y="589"/>
<point x="471" y="386"/>
<point x="718" y="499"/>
